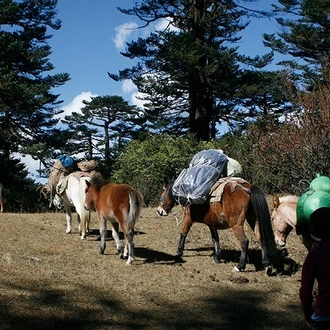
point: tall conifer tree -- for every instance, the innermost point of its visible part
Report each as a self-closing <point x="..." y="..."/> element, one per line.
<point x="191" y="71"/>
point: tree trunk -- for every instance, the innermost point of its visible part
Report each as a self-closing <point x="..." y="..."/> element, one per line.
<point x="200" y="102"/>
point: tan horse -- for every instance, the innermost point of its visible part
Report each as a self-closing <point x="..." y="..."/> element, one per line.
<point x="244" y="202"/>
<point x="1" y="197"/>
<point x="121" y="205"/>
<point x="284" y="217"/>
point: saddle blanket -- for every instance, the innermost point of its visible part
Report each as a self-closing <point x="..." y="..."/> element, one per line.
<point x="216" y="191"/>
<point x="63" y="182"/>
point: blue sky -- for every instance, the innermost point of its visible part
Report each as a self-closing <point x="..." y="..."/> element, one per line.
<point x="89" y="42"/>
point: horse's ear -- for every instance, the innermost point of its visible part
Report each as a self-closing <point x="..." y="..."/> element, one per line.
<point x="165" y="183"/>
<point x="276" y="201"/>
<point x="88" y="183"/>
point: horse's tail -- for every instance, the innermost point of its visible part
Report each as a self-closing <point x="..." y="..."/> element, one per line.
<point x="262" y="216"/>
<point x="135" y="205"/>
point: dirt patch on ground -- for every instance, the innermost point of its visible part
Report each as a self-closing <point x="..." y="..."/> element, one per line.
<point x="51" y="280"/>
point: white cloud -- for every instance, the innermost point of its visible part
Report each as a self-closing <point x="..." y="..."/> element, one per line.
<point x="128" y="87"/>
<point x="123" y="32"/>
<point x="76" y="104"/>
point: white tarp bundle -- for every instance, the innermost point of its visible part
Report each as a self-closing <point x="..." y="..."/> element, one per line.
<point x="193" y="184"/>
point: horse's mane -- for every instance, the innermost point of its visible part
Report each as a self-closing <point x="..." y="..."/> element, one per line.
<point x="99" y="182"/>
<point x="290" y="199"/>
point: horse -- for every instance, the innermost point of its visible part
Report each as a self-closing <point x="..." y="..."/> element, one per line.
<point x="1" y="198"/>
<point x="240" y="201"/>
<point x="71" y="191"/>
<point x="284" y="218"/>
<point x="121" y="205"/>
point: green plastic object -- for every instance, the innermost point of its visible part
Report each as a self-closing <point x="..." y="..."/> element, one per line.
<point x="320" y="183"/>
<point x="316" y="197"/>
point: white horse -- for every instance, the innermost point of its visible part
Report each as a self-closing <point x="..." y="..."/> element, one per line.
<point x="1" y="197"/>
<point x="71" y="191"/>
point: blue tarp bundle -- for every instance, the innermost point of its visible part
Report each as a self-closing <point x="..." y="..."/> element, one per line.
<point x="193" y="185"/>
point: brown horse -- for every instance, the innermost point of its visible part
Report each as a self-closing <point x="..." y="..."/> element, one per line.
<point x="239" y="201"/>
<point x="121" y="205"/>
<point x="284" y="217"/>
<point x="1" y="197"/>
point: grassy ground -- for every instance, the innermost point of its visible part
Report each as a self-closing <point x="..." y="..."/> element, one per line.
<point x="51" y="280"/>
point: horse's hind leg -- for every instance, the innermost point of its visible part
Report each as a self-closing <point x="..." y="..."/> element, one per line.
<point x="129" y="247"/>
<point x="264" y="258"/>
<point x="84" y="217"/>
<point x="240" y="235"/>
<point x="115" y="235"/>
<point x="103" y="233"/>
<point x="68" y="217"/>
<point x="215" y="239"/>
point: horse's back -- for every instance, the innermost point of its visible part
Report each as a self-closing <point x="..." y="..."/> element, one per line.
<point x="76" y="192"/>
<point x="290" y="199"/>
<point x="118" y="197"/>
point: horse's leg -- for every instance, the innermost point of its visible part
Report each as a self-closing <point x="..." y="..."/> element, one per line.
<point x="115" y="236"/>
<point x="88" y="217"/>
<point x="68" y="217"/>
<point x="240" y="235"/>
<point x="187" y="223"/>
<point x="215" y="239"/>
<point x="129" y="247"/>
<point x="103" y="233"/>
<point x="81" y="228"/>
<point x="264" y="258"/>
<point x="84" y="217"/>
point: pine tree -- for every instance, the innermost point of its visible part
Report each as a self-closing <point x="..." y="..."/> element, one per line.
<point x="190" y="72"/>
<point x="305" y="38"/>
<point x="106" y="123"/>
<point x="26" y="99"/>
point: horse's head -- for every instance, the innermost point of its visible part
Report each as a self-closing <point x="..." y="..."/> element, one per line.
<point x="167" y="200"/>
<point x="283" y="217"/>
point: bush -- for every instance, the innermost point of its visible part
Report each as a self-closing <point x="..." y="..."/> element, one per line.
<point x="286" y="156"/>
<point x="145" y="164"/>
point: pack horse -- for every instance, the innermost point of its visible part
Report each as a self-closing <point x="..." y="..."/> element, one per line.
<point x="230" y="203"/>
<point x="120" y="204"/>
<point x="71" y="191"/>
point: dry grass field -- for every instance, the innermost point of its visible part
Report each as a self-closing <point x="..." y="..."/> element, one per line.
<point x="51" y="280"/>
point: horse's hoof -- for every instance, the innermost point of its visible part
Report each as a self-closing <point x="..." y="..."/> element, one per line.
<point x="236" y="269"/>
<point x="129" y="261"/>
<point x="101" y="251"/>
<point x="217" y="260"/>
<point x="268" y="270"/>
<point x="68" y="231"/>
<point x="178" y="258"/>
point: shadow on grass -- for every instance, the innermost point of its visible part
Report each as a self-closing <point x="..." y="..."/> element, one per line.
<point x="96" y="233"/>
<point x="58" y="309"/>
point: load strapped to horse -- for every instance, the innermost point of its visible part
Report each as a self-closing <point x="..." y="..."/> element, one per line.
<point x="194" y="183"/>
<point x="317" y="197"/>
